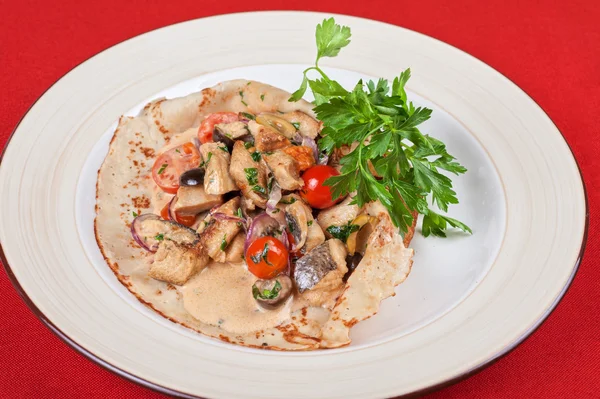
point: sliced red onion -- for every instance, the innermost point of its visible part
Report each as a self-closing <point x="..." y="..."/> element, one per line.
<point x="196" y="142"/>
<point x="274" y="198"/>
<point x="262" y="225"/>
<point x="308" y="142"/>
<point x="136" y="231"/>
<point x="172" y="215"/>
<point x="297" y="139"/>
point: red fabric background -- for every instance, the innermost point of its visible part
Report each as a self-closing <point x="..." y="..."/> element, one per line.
<point x="549" y="48"/>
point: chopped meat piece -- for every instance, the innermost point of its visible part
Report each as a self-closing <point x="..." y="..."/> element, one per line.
<point x="267" y="139"/>
<point x="285" y="169"/>
<point x="216" y="179"/>
<point x="307" y="126"/>
<point x="192" y="200"/>
<point x="220" y="231"/>
<point x="302" y="154"/>
<point x="241" y="170"/>
<point x="177" y="263"/>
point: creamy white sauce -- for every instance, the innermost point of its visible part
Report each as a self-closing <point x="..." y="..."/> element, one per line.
<point x="221" y="295"/>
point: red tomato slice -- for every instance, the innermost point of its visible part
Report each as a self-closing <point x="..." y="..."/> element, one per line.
<point x="205" y="131"/>
<point x="171" y="164"/>
<point x="314" y="191"/>
<point x="266" y="257"/>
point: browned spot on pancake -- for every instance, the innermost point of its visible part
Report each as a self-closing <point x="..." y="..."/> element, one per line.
<point x="225" y="338"/>
<point x="138" y="134"/>
<point x="148" y="152"/>
<point x="171" y="287"/>
<point x="132" y="150"/>
<point x="135" y="163"/>
<point x="141" y="202"/>
<point x="304" y="312"/>
<point x="350" y="323"/>
<point x="124" y="205"/>
<point x="158" y="292"/>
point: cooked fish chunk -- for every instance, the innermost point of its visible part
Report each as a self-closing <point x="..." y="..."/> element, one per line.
<point x="220" y="232"/>
<point x="307" y="126"/>
<point x="267" y="139"/>
<point x="177" y="263"/>
<point x="322" y="260"/>
<point x="217" y="179"/>
<point x="338" y="215"/>
<point x="285" y="169"/>
<point x="253" y="187"/>
<point x="192" y="200"/>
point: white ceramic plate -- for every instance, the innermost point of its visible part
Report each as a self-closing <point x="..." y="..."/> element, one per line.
<point x="468" y="300"/>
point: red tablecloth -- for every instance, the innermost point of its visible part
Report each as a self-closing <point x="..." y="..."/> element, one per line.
<point x="549" y="48"/>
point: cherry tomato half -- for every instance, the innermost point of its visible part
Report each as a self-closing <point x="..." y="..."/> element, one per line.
<point x="172" y="163"/>
<point x="205" y="131"/>
<point x="186" y="220"/>
<point x="314" y="191"/>
<point x="267" y="257"/>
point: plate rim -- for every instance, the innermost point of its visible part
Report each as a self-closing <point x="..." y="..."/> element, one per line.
<point x="170" y="391"/>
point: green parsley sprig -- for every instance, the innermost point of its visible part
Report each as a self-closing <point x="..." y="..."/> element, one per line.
<point x="385" y="125"/>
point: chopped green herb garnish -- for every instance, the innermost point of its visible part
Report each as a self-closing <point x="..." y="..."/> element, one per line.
<point x="223" y="242"/>
<point x="134" y="213"/>
<point x="159" y="237"/>
<point x="248" y="84"/>
<point x="249" y="116"/>
<point x="203" y="164"/>
<point x="223" y="148"/>
<point x="296" y="125"/>
<point x="244" y="102"/>
<point x="378" y="117"/>
<point x="248" y="145"/>
<point x="309" y="223"/>
<point x="266" y="294"/>
<point x="343" y="232"/>
<point x="239" y="213"/>
<point x="255" y="156"/>
<point x="251" y="175"/>
<point x="289" y="201"/>
<point x="262" y="97"/>
<point x="262" y="255"/>
<point x="162" y="168"/>
<point x="276" y="210"/>
<point x="177" y="151"/>
<point x="241" y="93"/>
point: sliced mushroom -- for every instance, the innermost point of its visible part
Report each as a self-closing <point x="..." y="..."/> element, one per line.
<point x="296" y="217"/>
<point x="192" y="200"/>
<point x="352" y="262"/>
<point x="176" y="263"/>
<point x="272" y="293"/>
<point x="228" y="133"/>
<point x="278" y="123"/>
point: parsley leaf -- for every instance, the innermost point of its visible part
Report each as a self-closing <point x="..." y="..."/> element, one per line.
<point x="162" y="168"/>
<point x="331" y="37"/>
<point x="223" y="243"/>
<point x="343" y="232"/>
<point x="159" y="237"/>
<point x="392" y="160"/>
<point x="255" y="156"/>
<point x="266" y="293"/>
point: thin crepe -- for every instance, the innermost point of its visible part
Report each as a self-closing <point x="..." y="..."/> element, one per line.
<point x="124" y="186"/>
